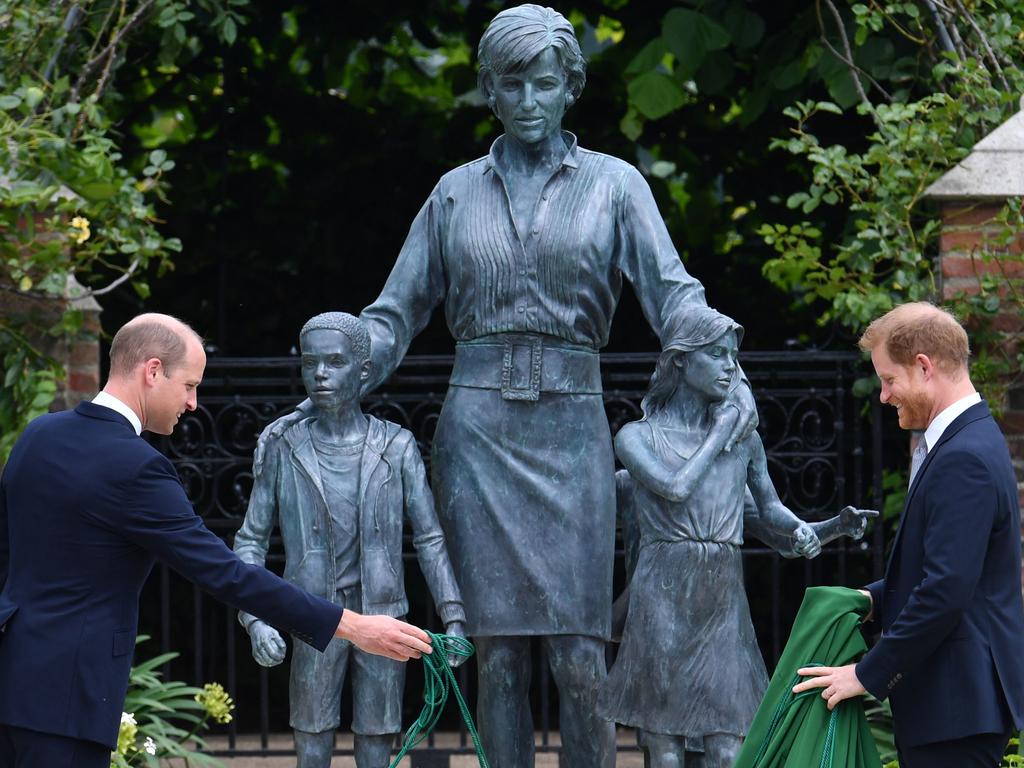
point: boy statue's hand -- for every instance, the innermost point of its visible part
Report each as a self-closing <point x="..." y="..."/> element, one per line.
<point x="456" y="629"/>
<point x="268" y="646"/>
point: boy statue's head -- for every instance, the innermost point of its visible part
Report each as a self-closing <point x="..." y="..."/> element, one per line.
<point x="335" y="350"/>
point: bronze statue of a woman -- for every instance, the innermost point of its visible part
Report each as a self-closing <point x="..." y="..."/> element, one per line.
<point x="527" y="250"/>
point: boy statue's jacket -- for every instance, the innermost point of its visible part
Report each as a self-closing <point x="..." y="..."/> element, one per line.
<point x="288" y="492"/>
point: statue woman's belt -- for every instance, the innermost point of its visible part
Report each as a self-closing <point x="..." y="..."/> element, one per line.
<point x="524" y="365"/>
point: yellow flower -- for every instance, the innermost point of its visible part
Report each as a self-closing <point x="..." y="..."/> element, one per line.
<point x="216" y="702"/>
<point x="82" y="225"/>
<point x="126" y="734"/>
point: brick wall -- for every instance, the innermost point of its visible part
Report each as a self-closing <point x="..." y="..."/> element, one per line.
<point x="968" y="231"/>
<point x="79" y="354"/>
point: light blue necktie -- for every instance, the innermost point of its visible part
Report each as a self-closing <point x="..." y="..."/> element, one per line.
<point x="917" y="458"/>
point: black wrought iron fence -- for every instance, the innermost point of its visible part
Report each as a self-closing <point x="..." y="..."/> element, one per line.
<point x="824" y="450"/>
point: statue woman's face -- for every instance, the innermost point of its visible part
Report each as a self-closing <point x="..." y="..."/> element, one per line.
<point x="710" y="369"/>
<point x="530" y="103"/>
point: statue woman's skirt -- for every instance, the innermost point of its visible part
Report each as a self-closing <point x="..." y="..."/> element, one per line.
<point x="526" y="496"/>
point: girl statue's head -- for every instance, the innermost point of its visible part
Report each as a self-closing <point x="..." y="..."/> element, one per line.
<point x="699" y="350"/>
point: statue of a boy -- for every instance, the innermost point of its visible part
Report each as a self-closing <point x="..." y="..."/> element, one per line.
<point x="339" y="485"/>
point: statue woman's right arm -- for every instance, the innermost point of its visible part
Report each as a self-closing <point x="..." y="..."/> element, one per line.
<point x="416" y="285"/>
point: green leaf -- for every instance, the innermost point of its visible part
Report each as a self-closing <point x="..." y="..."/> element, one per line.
<point x="33" y="96"/>
<point x="690" y="36"/>
<point x="631" y="124"/>
<point x="649" y="57"/>
<point x="96" y="191"/>
<point x="745" y="27"/>
<point x="716" y="73"/>
<point x="655" y="95"/>
<point x="10" y="101"/>
<point x="229" y="31"/>
<point x="789" y="75"/>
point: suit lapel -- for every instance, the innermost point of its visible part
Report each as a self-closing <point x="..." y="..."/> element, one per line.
<point x="974" y="413"/>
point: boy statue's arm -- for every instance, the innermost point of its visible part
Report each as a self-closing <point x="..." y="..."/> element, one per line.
<point x="428" y="540"/>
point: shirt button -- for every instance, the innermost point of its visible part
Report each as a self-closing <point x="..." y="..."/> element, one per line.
<point x="536" y="231"/>
<point x="522" y="309"/>
<point x="544" y="196"/>
<point x="522" y="273"/>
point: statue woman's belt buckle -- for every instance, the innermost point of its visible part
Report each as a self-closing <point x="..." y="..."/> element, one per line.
<point x="521" y="368"/>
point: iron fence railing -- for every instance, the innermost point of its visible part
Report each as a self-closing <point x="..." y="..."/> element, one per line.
<point x="824" y="449"/>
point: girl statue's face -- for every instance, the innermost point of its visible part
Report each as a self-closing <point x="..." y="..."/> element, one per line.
<point x="710" y="369"/>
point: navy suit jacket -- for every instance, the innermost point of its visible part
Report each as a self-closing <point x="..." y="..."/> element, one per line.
<point x="950" y="608"/>
<point x="86" y="508"/>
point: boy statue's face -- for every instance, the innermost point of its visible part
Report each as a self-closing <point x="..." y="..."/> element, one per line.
<point x="331" y="370"/>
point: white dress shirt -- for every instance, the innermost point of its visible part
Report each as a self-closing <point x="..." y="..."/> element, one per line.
<point x="107" y="400"/>
<point x="946" y="417"/>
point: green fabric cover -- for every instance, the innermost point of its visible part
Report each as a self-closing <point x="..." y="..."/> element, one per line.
<point x="798" y="731"/>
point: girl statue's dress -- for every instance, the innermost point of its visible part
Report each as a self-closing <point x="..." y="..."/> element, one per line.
<point x="689" y="664"/>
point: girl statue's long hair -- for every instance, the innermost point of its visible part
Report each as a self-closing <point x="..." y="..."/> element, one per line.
<point x="687" y="328"/>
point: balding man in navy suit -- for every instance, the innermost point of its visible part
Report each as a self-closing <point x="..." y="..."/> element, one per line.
<point x="949" y="659"/>
<point x="86" y="509"/>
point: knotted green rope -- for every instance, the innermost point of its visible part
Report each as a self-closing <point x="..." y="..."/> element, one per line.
<point x="439" y="681"/>
<point x="828" y="749"/>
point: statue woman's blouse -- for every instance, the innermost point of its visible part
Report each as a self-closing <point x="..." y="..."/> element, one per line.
<point x="595" y="223"/>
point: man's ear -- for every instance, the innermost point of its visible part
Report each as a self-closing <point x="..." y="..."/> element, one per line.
<point x="152" y="369"/>
<point x="364" y="371"/>
<point x="924" y="364"/>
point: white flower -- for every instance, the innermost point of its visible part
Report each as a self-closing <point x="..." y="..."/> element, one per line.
<point x="150" y="745"/>
<point x="128" y="718"/>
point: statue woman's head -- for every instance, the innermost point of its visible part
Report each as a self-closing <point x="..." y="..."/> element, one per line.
<point x="529" y="48"/>
<point x="699" y="351"/>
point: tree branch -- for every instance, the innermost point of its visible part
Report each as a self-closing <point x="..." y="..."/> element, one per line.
<point x="89" y="292"/>
<point x="72" y="20"/>
<point x="985" y="43"/>
<point x="940" y="27"/>
<point x="90" y="66"/>
<point x="855" y="71"/>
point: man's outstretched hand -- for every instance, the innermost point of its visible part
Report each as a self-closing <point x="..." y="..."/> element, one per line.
<point x="383" y="636"/>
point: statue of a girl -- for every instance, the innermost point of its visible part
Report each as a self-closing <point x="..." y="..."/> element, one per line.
<point x="689" y="668"/>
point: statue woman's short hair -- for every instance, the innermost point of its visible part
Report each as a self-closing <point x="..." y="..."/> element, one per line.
<point x="686" y="329"/>
<point x="345" y="323"/>
<point x="516" y="36"/>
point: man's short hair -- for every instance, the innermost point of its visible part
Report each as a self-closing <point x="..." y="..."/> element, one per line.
<point x="517" y="35"/>
<point x="348" y="324"/>
<point x="920" y="328"/>
<point x="144" y="338"/>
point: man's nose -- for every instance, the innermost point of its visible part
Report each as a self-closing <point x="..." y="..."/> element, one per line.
<point x="193" y="401"/>
<point x="884" y="394"/>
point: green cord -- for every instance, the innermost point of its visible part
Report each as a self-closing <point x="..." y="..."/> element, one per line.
<point x="828" y="749"/>
<point x="439" y="681"/>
